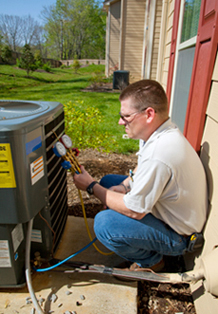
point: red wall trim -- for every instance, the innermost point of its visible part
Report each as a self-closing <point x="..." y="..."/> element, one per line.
<point x="173" y="48"/>
<point x="204" y="60"/>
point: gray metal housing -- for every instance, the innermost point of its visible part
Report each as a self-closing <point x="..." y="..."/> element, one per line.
<point x="30" y="129"/>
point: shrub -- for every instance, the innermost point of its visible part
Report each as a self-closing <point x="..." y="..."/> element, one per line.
<point x="27" y="60"/>
<point x="82" y="126"/>
<point x="47" y="67"/>
<point x="18" y="63"/>
<point x="38" y="59"/>
<point x="75" y="65"/>
<point x="6" y="54"/>
<point x="97" y="79"/>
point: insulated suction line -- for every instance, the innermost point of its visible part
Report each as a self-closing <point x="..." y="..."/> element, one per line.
<point x="63" y="149"/>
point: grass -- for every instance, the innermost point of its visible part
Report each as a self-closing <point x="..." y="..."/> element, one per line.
<point x="63" y="85"/>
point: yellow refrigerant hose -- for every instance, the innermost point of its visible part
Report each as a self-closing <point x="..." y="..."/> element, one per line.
<point x="87" y="226"/>
<point x="70" y="157"/>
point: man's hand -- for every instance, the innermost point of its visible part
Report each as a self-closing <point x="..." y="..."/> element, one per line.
<point x="83" y="179"/>
<point x="110" y="198"/>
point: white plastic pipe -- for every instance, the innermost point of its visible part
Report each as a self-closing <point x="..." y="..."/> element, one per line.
<point x="27" y="270"/>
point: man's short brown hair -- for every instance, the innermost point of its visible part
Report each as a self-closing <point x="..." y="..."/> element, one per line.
<point x="146" y="93"/>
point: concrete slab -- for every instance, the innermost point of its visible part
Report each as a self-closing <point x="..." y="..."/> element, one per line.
<point x="84" y="293"/>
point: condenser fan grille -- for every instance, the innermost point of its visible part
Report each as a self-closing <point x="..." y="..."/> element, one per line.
<point x="20" y="109"/>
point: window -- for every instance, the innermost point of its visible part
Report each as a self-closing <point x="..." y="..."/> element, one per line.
<point x="186" y="41"/>
<point x="190" y="19"/>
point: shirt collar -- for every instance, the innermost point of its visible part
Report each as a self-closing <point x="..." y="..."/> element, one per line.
<point x="162" y="128"/>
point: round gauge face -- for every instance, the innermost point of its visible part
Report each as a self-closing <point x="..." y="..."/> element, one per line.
<point x="60" y="149"/>
<point x="66" y="141"/>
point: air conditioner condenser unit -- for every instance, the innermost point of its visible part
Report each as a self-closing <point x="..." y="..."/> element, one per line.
<point x="32" y="184"/>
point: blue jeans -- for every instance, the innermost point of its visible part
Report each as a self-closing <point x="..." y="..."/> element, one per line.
<point x="142" y="241"/>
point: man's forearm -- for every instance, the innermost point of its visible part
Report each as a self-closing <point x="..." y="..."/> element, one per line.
<point x="110" y="198"/>
<point x="114" y="201"/>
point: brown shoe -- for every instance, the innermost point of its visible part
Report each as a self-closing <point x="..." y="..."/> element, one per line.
<point x="135" y="267"/>
<point x="159" y="266"/>
<point x="156" y="268"/>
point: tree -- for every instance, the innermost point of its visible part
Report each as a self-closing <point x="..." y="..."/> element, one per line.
<point x="1" y="39"/>
<point x="72" y="27"/>
<point x="27" y="60"/>
<point x="54" y="29"/>
<point x="17" y="31"/>
<point x="11" y="30"/>
<point x="75" y="27"/>
<point x="39" y="41"/>
<point x="29" y="30"/>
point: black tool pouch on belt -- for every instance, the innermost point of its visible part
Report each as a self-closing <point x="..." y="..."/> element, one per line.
<point x="196" y="242"/>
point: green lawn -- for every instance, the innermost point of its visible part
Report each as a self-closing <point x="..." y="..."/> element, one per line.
<point x="63" y="85"/>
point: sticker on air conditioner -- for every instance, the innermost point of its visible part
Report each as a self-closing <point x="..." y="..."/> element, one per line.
<point x="7" y="178"/>
<point x="37" y="170"/>
<point x="17" y="236"/>
<point x="36" y="236"/>
<point x="5" y="260"/>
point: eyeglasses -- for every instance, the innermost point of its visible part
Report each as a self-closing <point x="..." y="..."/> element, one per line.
<point x="125" y="117"/>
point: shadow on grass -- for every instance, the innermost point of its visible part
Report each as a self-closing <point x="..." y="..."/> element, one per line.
<point x="6" y="74"/>
<point x="47" y="81"/>
<point x="26" y="77"/>
<point x="74" y="80"/>
<point x="63" y="88"/>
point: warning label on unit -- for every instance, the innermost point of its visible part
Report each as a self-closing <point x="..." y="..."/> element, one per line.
<point x="36" y="236"/>
<point x="7" y="178"/>
<point x="5" y="260"/>
<point x="37" y="170"/>
<point x="17" y="236"/>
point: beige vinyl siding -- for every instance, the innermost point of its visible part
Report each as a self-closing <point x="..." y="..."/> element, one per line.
<point x="132" y="41"/>
<point x="209" y="156"/>
<point x="156" y="39"/>
<point x="167" y="45"/>
<point x="114" y="37"/>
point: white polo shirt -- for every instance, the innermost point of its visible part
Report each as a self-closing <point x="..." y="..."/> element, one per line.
<point x="170" y="181"/>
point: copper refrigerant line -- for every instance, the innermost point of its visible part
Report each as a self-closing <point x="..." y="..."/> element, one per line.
<point x="63" y="149"/>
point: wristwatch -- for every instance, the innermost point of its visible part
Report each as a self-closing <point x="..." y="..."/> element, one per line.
<point x="89" y="189"/>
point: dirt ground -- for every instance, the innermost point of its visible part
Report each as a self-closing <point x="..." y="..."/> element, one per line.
<point x="153" y="298"/>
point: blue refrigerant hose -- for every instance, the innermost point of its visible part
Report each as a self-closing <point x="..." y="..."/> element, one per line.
<point x="39" y="270"/>
<point x="28" y="267"/>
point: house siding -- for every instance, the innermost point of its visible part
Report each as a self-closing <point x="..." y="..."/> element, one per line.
<point x="209" y="156"/>
<point x="132" y="59"/>
<point x="156" y="39"/>
<point x="114" y="37"/>
<point x="167" y="46"/>
<point x="204" y="301"/>
<point x="133" y="34"/>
